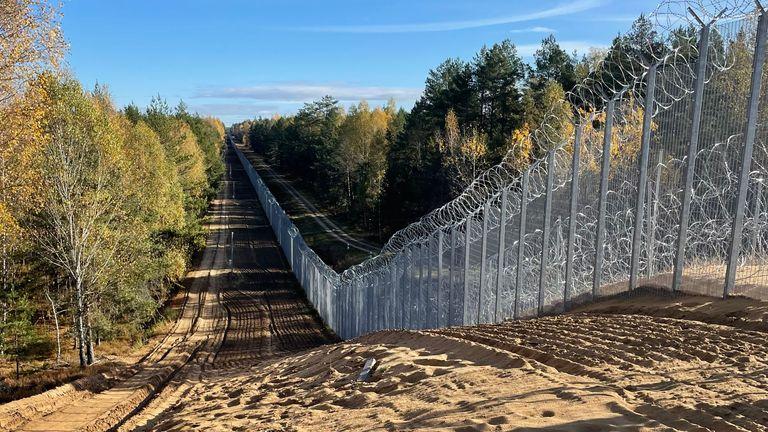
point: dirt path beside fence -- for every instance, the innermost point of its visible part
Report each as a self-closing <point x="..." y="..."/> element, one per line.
<point x="234" y="315"/>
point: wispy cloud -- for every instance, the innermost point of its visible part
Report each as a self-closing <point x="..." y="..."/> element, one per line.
<point x="612" y="19"/>
<point x="534" y="30"/>
<point x="230" y="109"/>
<point x="582" y="47"/>
<point x="305" y="92"/>
<point x="559" y="10"/>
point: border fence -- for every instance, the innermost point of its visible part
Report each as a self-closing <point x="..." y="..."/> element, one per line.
<point x="658" y="178"/>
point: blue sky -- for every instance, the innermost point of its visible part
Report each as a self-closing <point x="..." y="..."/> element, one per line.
<point x="238" y="59"/>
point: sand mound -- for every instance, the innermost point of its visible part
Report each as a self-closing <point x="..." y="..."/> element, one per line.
<point x="582" y="371"/>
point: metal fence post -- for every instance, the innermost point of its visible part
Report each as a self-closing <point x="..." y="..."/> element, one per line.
<point x="500" y="255"/>
<point x="428" y="286"/>
<point x="354" y="317"/>
<point x="439" y="275"/>
<point x="690" y="163"/>
<point x="604" y="171"/>
<point x="362" y="301"/>
<point x="467" y="244"/>
<point x="408" y="300"/>
<point x="483" y="265"/>
<point x="348" y="309"/>
<point x="420" y="314"/>
<point x="654" y="216"/>
<point x="758" y="212"/>
<point x="392" y="321"/>
<point x="520" y="279"/>
<point x="546" y="230"/>
<point x="746" y="153"/>
<point x="376" y="301"/>
<point x="645" y="149"/>
<point x="403" y="275"/>
<point x="451" y="276"/>
<point x="575" y="163"/>
<point x="291" y="257"/>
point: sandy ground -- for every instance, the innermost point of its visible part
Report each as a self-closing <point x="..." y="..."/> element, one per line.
<point x="594" y="370"/>
<point x="232" y="316"/>
<point x="249" y="354"/>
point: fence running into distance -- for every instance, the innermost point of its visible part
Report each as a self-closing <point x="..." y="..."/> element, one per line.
<point x="659" y="179"/>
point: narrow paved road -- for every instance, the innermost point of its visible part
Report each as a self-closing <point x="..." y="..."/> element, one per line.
<point x="237" y="312"/>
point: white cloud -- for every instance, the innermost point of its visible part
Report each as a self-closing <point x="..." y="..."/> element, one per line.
<point x="223" y="109"/>
<point x="559" y="10"/>
<point x="537" y="29"/>
<point x="305" y="92"/>
<point x="612" y="19"/>
<point x="582" y="47"/>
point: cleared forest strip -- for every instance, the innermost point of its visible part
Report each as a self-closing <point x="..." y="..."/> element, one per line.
<point x="335" y="244"/>
<point x="264" y="314"/>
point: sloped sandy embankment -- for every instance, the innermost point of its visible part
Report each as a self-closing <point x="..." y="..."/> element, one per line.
<point x="622" y="365"/>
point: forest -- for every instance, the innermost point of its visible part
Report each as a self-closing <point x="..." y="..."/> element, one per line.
<point x="101" y="208"/>
<point x="384" y="167"/>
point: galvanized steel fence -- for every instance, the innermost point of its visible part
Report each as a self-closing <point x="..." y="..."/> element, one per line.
<point x="659" y="179"/>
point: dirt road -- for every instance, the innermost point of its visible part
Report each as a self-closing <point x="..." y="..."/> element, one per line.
<point x="236" y="312"/>
<point x="302" y="207"/>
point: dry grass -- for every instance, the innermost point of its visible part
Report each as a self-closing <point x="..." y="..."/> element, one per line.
<point x="44" y="373"/>
<point x="42" y="380"/>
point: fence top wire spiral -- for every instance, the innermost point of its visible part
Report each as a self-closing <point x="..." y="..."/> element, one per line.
<point x="669" y="45"/>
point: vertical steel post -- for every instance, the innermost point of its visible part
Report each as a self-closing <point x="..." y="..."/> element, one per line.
<point x="377" y="293"/>
<point x="354" y="316"/>
<point x="451" y="276"/>
<point x="422" y="300"/>
<point x="292" y="262"/>
<point x="653" y="220"/>
<point x="500" y="254"/>
<point x="428" y="286"/>
<point x="361" y="311"/>
<point x="348" y="308"/>
<point x="746" y="153"/>
<point x="392" y="322"/>
<point x="439" y="276"/>
<point x="546" y="230"/>
<point x="758" y="216"/>
<point x="604" y="172"/>
<point x="645" y="150"/>
<point x="341" y="301"/>
<point x="402" y="287"/>
<point x="572" y="215"/>
<point x="520" y="279"/>
<point x="408" y="301"/>
<point x="690" y="163"/>
<point x="483" y="265"/>
<point x="467" y="244"/>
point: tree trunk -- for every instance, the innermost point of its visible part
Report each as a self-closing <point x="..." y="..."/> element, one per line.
<point x="56" y="323"/>
<point x="349" y="192"/>
<point x="74" y="331"/>
<point x="80" y="323"/>
<point x="89" y="337"/>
